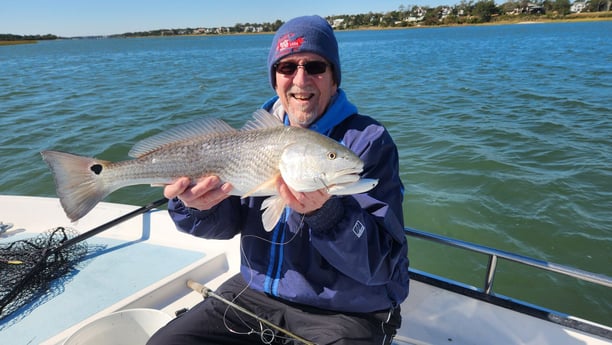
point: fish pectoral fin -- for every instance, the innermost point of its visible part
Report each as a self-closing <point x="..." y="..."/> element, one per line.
<point x="274" y="207"/>
<point x="266" y="188"/>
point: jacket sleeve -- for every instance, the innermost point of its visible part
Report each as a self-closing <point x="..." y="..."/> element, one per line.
<point x="362" y="235"/>
<point x="215" y="223"/>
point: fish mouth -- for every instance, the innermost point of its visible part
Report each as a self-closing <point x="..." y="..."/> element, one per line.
<point x="344" y="180"/>
<point x="345" y="176"/>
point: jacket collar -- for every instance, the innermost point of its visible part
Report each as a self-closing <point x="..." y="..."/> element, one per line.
<point x="339" y="109"/>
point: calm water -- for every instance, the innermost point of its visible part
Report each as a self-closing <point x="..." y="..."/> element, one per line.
<point x="504" y="131"/>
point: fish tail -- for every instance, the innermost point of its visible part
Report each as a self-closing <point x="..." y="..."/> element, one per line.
<point x="78" y="183"/>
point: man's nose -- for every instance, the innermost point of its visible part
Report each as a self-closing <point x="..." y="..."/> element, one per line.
<point x="301" y="77"/>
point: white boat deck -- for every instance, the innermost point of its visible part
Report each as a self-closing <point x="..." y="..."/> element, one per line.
<point x="132" y="265"/>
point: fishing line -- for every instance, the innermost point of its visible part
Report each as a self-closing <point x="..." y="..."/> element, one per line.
<point x="267" y="335"/>
<point x="206" y="292"/>
<point x="320" y="179"/>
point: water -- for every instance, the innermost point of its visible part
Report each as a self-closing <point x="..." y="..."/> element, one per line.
<point x="504" y="131"/>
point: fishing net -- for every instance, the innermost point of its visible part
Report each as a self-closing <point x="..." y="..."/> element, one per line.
<point x="28" y="267"/>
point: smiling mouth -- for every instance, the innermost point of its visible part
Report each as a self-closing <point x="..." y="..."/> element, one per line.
<point x="302" y="96"/>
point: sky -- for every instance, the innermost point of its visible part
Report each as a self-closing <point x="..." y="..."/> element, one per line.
<point x="71" y="18"/>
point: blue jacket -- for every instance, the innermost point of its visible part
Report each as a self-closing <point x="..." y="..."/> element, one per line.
<point x="348" y="256"/>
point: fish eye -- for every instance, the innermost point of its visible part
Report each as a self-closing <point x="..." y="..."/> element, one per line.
<point x="331" y="155"/>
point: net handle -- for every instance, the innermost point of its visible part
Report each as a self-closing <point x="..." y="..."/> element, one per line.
<point x="110" y="224"/>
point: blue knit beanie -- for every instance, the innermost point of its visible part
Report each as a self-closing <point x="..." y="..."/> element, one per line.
<point x="311" y="34"/>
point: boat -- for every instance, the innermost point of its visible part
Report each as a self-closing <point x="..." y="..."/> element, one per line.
<point x="142" y="263"/>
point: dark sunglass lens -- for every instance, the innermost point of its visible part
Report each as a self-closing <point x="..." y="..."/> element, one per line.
<point x="286" y="68"/>
<point x="315" y="67"/>
<point x="312" y="67"/>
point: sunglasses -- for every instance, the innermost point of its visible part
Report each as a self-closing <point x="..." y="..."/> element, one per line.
<point x="311" y="67"/>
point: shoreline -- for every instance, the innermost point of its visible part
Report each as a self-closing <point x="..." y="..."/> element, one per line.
<point x="9" y="43"/>
<point x="498" y="22"/>
<point x="521" y="21"/>
<point x="578" y="17"/>
<point x="524" y="21"/>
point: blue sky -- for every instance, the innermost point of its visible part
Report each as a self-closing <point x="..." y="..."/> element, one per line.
<point x="86" y="17"/>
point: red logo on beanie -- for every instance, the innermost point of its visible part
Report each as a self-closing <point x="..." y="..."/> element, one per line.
<point x="289" y="41"/>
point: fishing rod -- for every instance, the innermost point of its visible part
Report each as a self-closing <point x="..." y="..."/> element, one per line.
<point x="206" y="292"/>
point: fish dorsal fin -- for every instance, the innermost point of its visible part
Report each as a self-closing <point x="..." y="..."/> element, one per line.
<point x="261" y="120"/>
<point x="181" y="133"/>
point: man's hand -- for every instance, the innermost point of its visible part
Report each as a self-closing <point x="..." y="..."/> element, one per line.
<point x="203" y="195"/>
<point x="302" y="202"/>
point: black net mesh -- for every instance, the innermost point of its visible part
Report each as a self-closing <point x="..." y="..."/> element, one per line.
<point x="28" y="267"/>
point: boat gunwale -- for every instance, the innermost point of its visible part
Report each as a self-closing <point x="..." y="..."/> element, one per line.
<point x="486" y="294"/>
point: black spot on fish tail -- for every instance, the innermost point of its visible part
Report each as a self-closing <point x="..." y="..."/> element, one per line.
<point x="96" y="168"/>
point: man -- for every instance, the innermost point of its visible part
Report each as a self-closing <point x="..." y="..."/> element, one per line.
<point x="334" y="269"/>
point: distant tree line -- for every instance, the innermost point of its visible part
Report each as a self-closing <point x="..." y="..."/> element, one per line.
<point x="237" y="28"/>
<point x="466" y="12"/>
<point x="10" y="37"/>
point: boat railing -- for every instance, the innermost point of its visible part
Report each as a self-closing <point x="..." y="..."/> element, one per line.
<point x="495" y="254"/>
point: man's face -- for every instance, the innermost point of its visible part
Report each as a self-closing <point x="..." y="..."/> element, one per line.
<point x="304" y="96"/>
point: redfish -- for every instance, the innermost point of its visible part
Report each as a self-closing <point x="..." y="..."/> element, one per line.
<point x="251" y="159"/>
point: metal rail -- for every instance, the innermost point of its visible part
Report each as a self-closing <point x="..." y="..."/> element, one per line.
<point x="494" y="254"/>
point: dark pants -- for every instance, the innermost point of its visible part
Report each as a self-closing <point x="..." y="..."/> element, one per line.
<point x="213" y="322"/>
